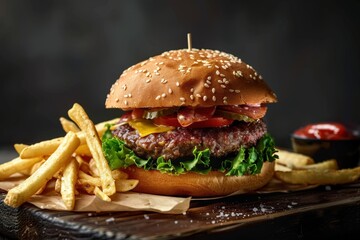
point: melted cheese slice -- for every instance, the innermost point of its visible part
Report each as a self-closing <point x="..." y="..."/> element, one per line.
<point x="146" y="127"/>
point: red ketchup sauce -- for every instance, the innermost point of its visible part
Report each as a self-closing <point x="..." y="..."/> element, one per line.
<point x="325" y="131"/>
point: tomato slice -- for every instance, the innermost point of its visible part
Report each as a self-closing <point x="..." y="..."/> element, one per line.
<point x="211" y="122"/>
<point x="254" y="112"/>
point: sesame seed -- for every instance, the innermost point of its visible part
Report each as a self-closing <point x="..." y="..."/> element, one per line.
<point x="206" y="85"/>
<point x="217" y="72"/>
<point x="158" y="97"/>
<point x="148" y="80"/>
<point x="198" y="95"/>
<point x="213" y="90"/>
<point x="214" y="98"/>
<point x="231" y="90"/>
<point x="126" y="102"/>
<point x="204" y="98"/>
<point x="209" y="78"/>
<point x="177" y="84"/>
<point x="117" y="100"/>
<point x="163" y="95"/>
<point x="170" y="91"/>
<point x="192" y="90"/>
<point x="223" y="86"/>
<point x="237" y="91"/>
<point x="124" y="87"/>
<point x="182" y="99"/>
<point x="192" y="97"/>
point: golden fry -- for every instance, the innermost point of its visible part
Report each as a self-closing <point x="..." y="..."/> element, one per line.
<point x="68" y="125"/>
<point x="93" y="169"/>
<point x="100" y="194"/>
<point x="325" y="165"/>
<point x="83" y="165"/>
<point x="40" y="149"/>
<point x="124" y="185"/>
<point x="292" y="160"/>
<point x="79" y="116"/>
<point x="87" y="179"/>
<point x="282" y="168"/>
<point x="17" y="165"/>
<point x="83" y="150"/>
<point x="36" y="166"/>
<point x="21" y="193"/>
<point x="68" y="182"/>
<point x="19" y="147"/>
<point x="319" y="177"/>
<point x="47" y="147"/>
<point x="118" y="174"/>
<point x="58" y="185"/>
<point x="82" y="184"/>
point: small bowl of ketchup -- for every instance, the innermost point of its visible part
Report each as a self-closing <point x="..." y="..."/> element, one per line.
<point x="328" y="140"/>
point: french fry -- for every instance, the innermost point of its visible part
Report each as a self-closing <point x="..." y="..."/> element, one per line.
<point x="319" y="177"/>
<point x="42" y="148"/>
<point x="68" y="125"/>
<point x="19" y="147"/>
<point x="85" y="186"/>
<point x="47" y="147"/>
<point x="100" y="194"/>
<point x="292" y="159"/>
<point x="68" y="181"/>
<point x="36" y="166"/>
<point x="87" y="179"/>
<point x="118" y="174"/>
<point x="93" y="169"/>
<point x="79" y="116"/>
<point x="17" y="165"/>
<point x="83" y="150"/>
<point x="57" y="186"/>
<point x="83" y="165"/>
<point x="21" y="193"/>
<point x="330" y="164"/>
<point x="41" y="189"/>
<point x="282" y="168"/>
<point x="125" y="185"/>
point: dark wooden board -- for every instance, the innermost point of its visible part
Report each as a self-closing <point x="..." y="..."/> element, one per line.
<point x="323" y="212"/>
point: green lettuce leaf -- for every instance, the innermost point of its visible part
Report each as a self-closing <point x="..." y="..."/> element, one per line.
<point x="247" y="161"/>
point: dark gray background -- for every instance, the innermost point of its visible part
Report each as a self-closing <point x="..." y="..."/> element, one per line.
<point x="55" y="53"/>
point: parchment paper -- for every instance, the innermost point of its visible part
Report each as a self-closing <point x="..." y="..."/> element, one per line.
<point x="131" y="201"/>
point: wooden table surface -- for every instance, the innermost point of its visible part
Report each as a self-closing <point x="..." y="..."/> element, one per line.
<point x="319" y="213"/>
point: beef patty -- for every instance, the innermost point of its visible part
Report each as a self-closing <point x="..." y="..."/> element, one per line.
<point x="180" y="142"/>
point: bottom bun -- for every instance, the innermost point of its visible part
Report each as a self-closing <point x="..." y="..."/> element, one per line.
<point x="214" y="183"/>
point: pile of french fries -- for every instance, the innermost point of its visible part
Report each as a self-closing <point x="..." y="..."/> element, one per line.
<point x="295" y="168"/>
<point x="75" y="162"/>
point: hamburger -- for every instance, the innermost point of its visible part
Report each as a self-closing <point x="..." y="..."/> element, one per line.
<point x="192" y="124"/>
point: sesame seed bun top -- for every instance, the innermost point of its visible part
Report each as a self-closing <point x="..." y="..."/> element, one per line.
<point x="189" y="78"/>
